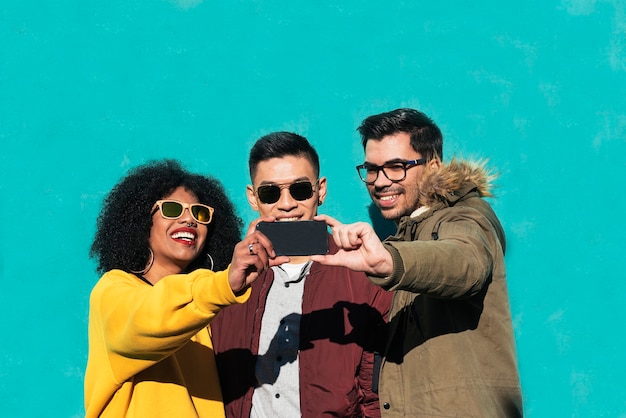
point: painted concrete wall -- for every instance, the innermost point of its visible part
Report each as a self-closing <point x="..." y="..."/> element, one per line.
<point x="89" y="89"/>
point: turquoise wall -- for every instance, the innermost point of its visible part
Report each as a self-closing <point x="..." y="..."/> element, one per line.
<point x="89" y="89"/>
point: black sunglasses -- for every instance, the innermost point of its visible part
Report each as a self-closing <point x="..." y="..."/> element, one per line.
<point x="270" y="193"/>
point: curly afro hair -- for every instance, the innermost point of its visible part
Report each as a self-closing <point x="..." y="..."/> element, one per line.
<point x="123" y="226"/>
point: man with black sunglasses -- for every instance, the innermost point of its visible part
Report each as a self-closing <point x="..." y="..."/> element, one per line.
<point x="305" y="343"/>
<point x="450" y="349"/>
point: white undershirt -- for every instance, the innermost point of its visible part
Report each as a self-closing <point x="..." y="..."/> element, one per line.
<point x="277" y="370"/>
<point x="419" y="211"/>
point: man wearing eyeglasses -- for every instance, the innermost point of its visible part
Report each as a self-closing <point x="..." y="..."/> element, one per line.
<point x="304" y="344"/>
<point x="450" y="349"/>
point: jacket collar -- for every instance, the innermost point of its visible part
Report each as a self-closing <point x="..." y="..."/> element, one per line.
<point x="453" y="181"/>
<point x="449" y="184"/>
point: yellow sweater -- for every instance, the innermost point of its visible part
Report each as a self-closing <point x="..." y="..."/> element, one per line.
<point x="150" y="349"/>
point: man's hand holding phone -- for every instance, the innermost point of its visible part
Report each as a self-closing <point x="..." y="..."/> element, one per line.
<point x="360" y="249"/>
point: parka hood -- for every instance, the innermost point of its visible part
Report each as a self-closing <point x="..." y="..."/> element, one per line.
<point x="453" y="180"/>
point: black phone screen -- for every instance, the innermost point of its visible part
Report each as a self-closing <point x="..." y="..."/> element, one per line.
<point x="296" y="237"/>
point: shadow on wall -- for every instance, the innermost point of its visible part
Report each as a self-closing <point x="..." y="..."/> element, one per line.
<point x="382" y="226"/>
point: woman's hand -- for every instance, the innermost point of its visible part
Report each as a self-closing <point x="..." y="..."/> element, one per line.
<point x="252" y="256"/>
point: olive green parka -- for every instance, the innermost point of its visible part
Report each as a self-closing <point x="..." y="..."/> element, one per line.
<point x="451" y="349"/>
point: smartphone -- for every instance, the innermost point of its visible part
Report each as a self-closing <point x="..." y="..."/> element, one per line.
<point x="296" y="237"/>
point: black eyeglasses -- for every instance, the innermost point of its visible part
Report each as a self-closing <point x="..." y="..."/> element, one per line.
<point x="173" y="209"/>
<point x="270" y="193"/>
<point x="395" y="171"/>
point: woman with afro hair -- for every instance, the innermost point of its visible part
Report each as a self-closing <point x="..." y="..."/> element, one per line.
<point x="168" y="243"/>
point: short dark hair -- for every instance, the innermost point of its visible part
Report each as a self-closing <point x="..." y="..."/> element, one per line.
<point x="281" y="144"/>
<point x="425" y="135"/>
<point x="123" y="226"/>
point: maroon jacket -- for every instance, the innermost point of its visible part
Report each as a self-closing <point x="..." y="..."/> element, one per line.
<point x="342" y="325"/>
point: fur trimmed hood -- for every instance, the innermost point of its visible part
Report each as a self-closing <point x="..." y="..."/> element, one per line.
<point x="455" y="179"/>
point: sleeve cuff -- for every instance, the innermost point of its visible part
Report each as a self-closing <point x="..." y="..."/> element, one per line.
<point x="398" y="270"/>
